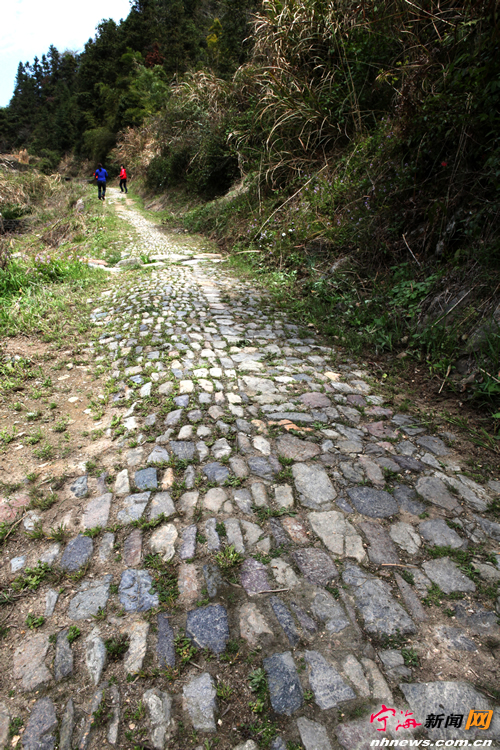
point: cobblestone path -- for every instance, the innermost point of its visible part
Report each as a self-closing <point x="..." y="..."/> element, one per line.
<point x="272" y="556"/>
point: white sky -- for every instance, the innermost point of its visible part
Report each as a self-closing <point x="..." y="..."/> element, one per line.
<point x="29" y="27"/>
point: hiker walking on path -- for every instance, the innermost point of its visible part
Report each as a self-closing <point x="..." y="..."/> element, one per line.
<point x="101" y="176"/>
<point x="123" y="179"/>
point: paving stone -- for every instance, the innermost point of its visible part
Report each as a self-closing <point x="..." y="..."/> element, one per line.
<point x="42" y="723"/>
<point x="284" y="574"/>
<point x="187" y="503"/>
<point x="159" y="704"/>
<point x="158" y="455"/>
<point x="113" y="696"/>
<point x="248" y="745"/>
<point x="254" y="628"/>
<point x="97" y="512"/>
<point x="95" y="655"/>
<point x="233" y="534"/>
<point x="122" y="484"/>
<point x="437" y="532"/>
<point x="213" y="541"/>
<point x="132" y="548"/>
<point x="51" y="598"/>
<point x="447" y="575"/>
<point x="283" y="496"/>
<point x="135" y="591"/>
<point x="433" y="444"/>
<point x="373" y="503"/>
<point x="163" y="541"/>
<point x="213" y="579"/>
<point x="285" y="619"/>
<point x="29" y="662"/>
<point x="328" y="686"/>
<point x="337" y="534"/>
<point x="106" y="546"/>
<point x="405" y="537"/>
<point x="406" y="498"/>
<point x="67" y="725"/>
<point x="452" y="698"/>
<point x="79" y="488"/>
<point x="381" y="613"/>
<point x="262" y="467"/>
<point x="208" y="627"/>
<point x="173" y="418"/>
<point x="316" y="566"/>
<point x="188" y="547"/>
<point x="434" y="491"/>
<point x="18" y="563"/>
<point x="88" y="723"/>
<point x="63" y="661"/>
<point x="315" y="400"/>
<point x="296" y="530"/>
<point x="238" y="467"/>
<point x="216" y="472"/>
<point x="134" y="456"/>
<point x="133" y="506"/>
<point x="455" y="638"/>
<point x="306" y="622"/>
<point x="381" y="548"/>
<point x="329" y="611"/>
<point x="165" y="647"/>
<point x="358" y="735"/>
<point x="410" y="599"/>
<point x="134" y="657"/>
<point x="314" y="486"/>
<point x="259" y="494"/>
<point x="285" y="690"/>
<point x="243" y="500"/>
<point x="77" y="553"/>
<point x="354" y="671"/>
<point x="92" y="596"/>
<point x="479" y="620"/>
<point x="189" y="585"/>
<point x="280" y="536"/>
<point x="253" y="576"/>
<point x="146" y="479"/>
<point x="161" y="503"/>
<point x="199" y="699"/>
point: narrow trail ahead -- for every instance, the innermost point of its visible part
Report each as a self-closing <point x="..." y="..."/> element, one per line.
<point x="267" y="515"/>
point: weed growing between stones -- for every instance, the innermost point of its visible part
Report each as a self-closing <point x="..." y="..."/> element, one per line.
<point x="228" y="557"/>
<point x="117" y="647"/>
<point x="74" y="632"/>
<point x="164" y="579"/>
<point x="185" y="649"/>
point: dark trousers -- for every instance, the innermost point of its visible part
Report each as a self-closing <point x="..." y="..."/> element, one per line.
<point x="123" y="184"/>
<point x="101" y="189"/>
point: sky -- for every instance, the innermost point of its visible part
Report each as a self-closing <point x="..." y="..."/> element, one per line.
<point x="29" y="27"/>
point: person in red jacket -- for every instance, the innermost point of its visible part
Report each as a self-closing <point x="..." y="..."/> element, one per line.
<point x="123" y="179"/>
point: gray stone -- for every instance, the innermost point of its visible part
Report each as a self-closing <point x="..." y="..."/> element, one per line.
<point x="135" y="591"/>
<point x="133" y="506"/>
<point x="92" y="596"/>
<point x="41" y="723"/>
<point x="163" y="541"/>
<point x="77" y="553"/>
<point x="391" y="658"/>
<point x="406" y="498"/>
<point x="213" y="579"/>
<point x="183" y="449"/>
<point x="280" y="536"/>
<point x="411" y="599"/>
<point x="258" y="490"/>
<point x="253" y="576"/>
<point x="297" y="417"/>
<point x="381" y="549"/>
<point x="381" y="613"/>
<point x="278" y="744"/>
<point x="137" y="631"/>
<point x="216" y="472"/>
<point x="208" y="627"/>
<point x="233" y="533"/>
<point x="165" y="648"/>
<point x="63" y="661"/>
<point x="450" y="698"/>
<point x="199" y="699"/>
<point x="284" y="685"/>
<point x="29" y="662"/>
<point x="238" y="467"/>
<point x="314" y="486"/>
<point x="188" y="546"/>
<point x="313" y="735"/>
<point x="405" y="537"/>
<point x="358" y="735"/>
<point x="329" y="611"/>
<point x="95" y="655"/>
<point x="373" y="503"/>
<point x="132" y="548"/>
<point x="88" y="722"/>
<point x="409" y="464"/>
<point x="433" y="444"/>
<point x="159" y="705"/>
<point x="261" y="467"/>
<point x="106" y="546"/>
<point x="221" y="449"/>
<point x="51" y="598"/>
<point x="97" y="512"/>
<point x="213" y="541"/>
<point x="173" y="418"/>
<point x="447" y="575"/>
<point x="328" y="686"/>
<point x="146" y="479"/>
<point x="285" y="619"/>
<point x="79" y="488"/>
<point x="490" y="528"/>
<point x="479" y="621"/>
<point x="292" y="447"/>
<point x="437" y="532"/>
<point x="434" y="491"/>
<point x="161" y="503"/>
<point x="455" y="638"/>
<point x="114" y="721"/>
<point x="337" y="534"/>
<point x="243" y="500"/>
<point x="158" y="456"/>
<point x="67" y="724"/>
<point x="315" y="565"/>
<point x="17" y="563"/>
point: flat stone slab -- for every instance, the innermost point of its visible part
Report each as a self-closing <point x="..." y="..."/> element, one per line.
<point x="199" y="699"/>
<point x="134" y="591"/>
<point x="158" y="456"/>
<point x="97" y="512"/>
<point x="253" y="576"/>
<point x="42" y="723"/>
<point x="133" y="507"/>
<point x="434" y="491"/>
<point x="455" y="638"/>
<point x="313" y="735"/>
<point x="161" y="503"/>
<point x="381" y="613"/>
<point x="314" y="486"/>
<point x="91" y="597"/>
<point x="382" y="549"/>
<point x="183" y="449"/>
<point x="285" y="619"/>
<point x="329" y="611"/>
<point x="146" y="479"/>
<point x="451" y="698"/>
<point x="63" y="661"/>
<point x="292" y="447"/>
<point x="208" y="627"/>
<point x="159" y="705"/>
<point x="328" y="686"/>
<point x="315" y="565"/>
<point x="188" y="547"/>
<point x="437" y="532"/>
<point x="261" y="467"/>
<point x="373" y="503"/>
<point x="29" y="662"/>
<point x="77" y="553"/>
<point x="337" y="534"/>
<point x="447" y="576"/>
<point x="284" y="685"/>
<point x="216" y="472"/>
<point x="405" y="537"/>
<point x="433" y="444"/>
<point x="165" y="647"/>
<point x="406" y="498"/>
<point x="95" y="655"/>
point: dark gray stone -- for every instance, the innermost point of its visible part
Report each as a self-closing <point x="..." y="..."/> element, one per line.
<point x="165" y="648"/>
<point x="328" y="686"/>
<point x="183" y="449"/>
<point x="342" y="503"/>
<point x="208" y="627"/>
<point x="243" y="500"/>
<point x="280" y="536"/>
<point x="92" y="597"/>
<point x="253" y="576"/>
<point x="382" y="549"/>
<point x="480" y="621"/>
<point x="146" y="479"/>
<point x="243" y="426"/>
<point x="284" y="685"/>
<point x="455" y="638"/>
<point x="77" y="553"/>
<point x="216" y="472"/>
<point x="294" y="416"/>
<point x="306" y="622"/>
<point x="63" y="661"/>
<point x="135" y="591"/>
<point x="213" y="579"/>
<point x="373" y="503"/>
<point x="79" y="488"/>
<point x="433" y="444"/>
<point x="437" y="532"/>
<point x="261" y="467"/>
<point x="490" y="528"/>
<point x="409" y="464"/>
<point x="381" y="613"/>
<point x="406" y="498"/>
<point x="447" y="576"/>
<point x="315" y="565"/>
<point x="42" y="721"/>
<point x="285" y="619"/>
<point x="330" y="612"/>
<point x="67" y="724"/>
<point x="434" y="491"/>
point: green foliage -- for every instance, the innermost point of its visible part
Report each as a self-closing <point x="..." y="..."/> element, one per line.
<point x="228" y="557"/>
<point x="74" y="632"/>
<point x="117" y="647"/>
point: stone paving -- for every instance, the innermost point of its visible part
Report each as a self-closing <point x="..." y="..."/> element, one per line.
<point x="262" y="510"/>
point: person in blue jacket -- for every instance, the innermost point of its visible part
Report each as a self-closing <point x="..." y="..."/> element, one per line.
<point x="101" y="176"/>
